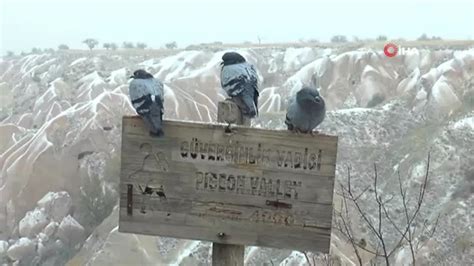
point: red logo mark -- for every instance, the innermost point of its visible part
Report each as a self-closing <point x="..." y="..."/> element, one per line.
<point x="390" y="50"/>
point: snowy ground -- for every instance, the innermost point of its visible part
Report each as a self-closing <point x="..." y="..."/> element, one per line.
<point x="60" y="140"/>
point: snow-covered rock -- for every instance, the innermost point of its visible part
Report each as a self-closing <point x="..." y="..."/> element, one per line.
<point x="3" y="248"/>
<point x="56" y="204"/>
<point x="294" y="259"/>
<point x="33" y="222"/>
<point x="465" y="123"/>
<point x="23" y="248"/>
<point x="70" y="231"/>
<point x="403" y="257"/>
<point x="42" y="237"/>
<point x="42" y="249"/>
<point x="118" y="76"/>
<point x="295" y="58"/>
<point x="50" y="229"/>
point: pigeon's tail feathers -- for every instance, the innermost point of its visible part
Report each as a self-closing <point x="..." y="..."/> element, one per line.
<point x="255" y="98"/>
<point x="150" y="108"/>
<point x="249" y="107"/>
<point x="288" y="123"/>
<point x="154" y="118"/>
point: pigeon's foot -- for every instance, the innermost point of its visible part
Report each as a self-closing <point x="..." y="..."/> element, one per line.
<point x="295" y="131"/>
<point x="314" y="132"/>
<point x="250" y="114"/>
<point x="157" y="134"/>
<point x="228" y="129"/>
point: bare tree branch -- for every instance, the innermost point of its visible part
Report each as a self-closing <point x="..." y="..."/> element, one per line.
<point x="348" y="230"/>
<point x="307" y="258"/>
<point x="379" y="203"/>
<point x="405" y="228"/>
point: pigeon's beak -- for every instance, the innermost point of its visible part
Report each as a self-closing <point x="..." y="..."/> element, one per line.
<point x="222" y="63"/>
<point x="131" y="77"/>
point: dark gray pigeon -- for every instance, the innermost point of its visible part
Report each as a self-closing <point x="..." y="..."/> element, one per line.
<point x="239" y="80"/>
<point x="146" y="94"/>
<point x="305" y="111"/>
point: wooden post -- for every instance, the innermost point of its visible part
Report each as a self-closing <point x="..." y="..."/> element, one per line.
<point x="229" y="112"/>
<point x="225" y="254"/>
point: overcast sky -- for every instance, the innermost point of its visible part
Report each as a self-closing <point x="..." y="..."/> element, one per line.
<point x="48" y="23"/>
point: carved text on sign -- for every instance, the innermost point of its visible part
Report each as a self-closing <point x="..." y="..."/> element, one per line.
<point x="256" y="186"/>
<point x="247" y="185"/>
<point x="241" y="153"/>
<point x="266" y="216"/>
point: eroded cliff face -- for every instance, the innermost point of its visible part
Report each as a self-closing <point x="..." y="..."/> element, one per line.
<point x="60" y="143"/>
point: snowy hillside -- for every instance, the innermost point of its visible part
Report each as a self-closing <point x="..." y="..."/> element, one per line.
<point x="60" y="126"/>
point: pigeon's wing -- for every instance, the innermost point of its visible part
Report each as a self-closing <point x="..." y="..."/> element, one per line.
<point x="153" y="118"/>
<point x="290" y="115"/>
<point x="254" y="83"/>
<point x="253" y="76"/>
<point x="139" y="91"/>
<point x="248" y="104"/>
<point x="234" y="79"/>
<point x="158" y="89"/>
<point x="147" y="99"/>
<point x="240" y="81"/>
<point x="288" y="123"/>
<point x="317" y="117"/>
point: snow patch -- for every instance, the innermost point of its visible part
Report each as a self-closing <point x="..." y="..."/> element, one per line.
<point x="355" y="110"/>
<point x="56" y="204"/>
<point x="24" y="247"/>
<point x="295" y="258"/>
<point x="294" y="58"/>
<point x="444" y="95"/>
<point x="185" y="252"/>
<point x="148" y="63"/>
<point x="118" y="76"/>
<point x="465" y="123"/>
<point x="33" y="223"/>
<point x="70" y="231"/>
<point x="90" y="77"/>
<point x="3" y="248"/>
<point x="77" y="61"/>
<point x="272" y="102"/>
<point x="50" y="229"/>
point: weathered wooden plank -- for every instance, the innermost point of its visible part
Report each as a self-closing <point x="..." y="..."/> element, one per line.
<point x="284" y="213"/>
<point x="257" y="222"/>
<point x="204" y="145"/>
<point x="134" y="125"/>
<point x="232" y="186"/>
<point x="257" y="187"/>
<point x="232" y="232"/>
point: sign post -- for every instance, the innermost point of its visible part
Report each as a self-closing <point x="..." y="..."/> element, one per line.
<point x="225" y="254"/>
<point x="246" y="186"/>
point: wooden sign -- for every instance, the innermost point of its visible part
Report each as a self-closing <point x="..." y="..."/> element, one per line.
<point x="248" y="186"/>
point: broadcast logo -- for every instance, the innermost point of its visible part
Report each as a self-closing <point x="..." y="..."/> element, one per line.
<point x="390" y="49"/>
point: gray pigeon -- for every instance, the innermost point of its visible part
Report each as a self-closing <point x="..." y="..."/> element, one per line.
<point x="305" y="111"/>
<point x="146" y="94"/>
<point x="239" y="80"/>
